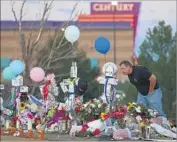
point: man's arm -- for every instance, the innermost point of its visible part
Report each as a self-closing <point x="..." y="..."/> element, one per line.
<point x="152" y="80"/>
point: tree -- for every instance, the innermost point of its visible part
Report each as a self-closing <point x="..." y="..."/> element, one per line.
<point x="129" y="90"/>
<point x="62" y="63"/>
<point x="55" y="55"/>
<point x="31" y="46"/>
<point x="158" y="52"/>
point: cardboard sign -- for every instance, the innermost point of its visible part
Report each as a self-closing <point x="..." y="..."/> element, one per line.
<point x="18" y="81"/>
<point x="23" y="89"/>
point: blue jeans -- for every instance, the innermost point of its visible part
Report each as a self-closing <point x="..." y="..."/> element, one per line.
<point x="153" y="101"/>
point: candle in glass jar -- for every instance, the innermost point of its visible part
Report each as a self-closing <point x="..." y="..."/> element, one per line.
<point x="17" y="124"/>
<point x="7" y="124"/>
<point x="63" y="125"/>
<point x="29" y="124"/>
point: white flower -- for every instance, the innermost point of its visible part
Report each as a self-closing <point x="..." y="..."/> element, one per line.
<point x="99" y="105"/>
<point x="93" y="106"/>
<point x="133" y="103"/>
<point x="117" y="96"/>
<point x="85" y="105"/>
<point x="96" y="101"/>
<point x="138" y="109"/>
<point x="33" y="107"/>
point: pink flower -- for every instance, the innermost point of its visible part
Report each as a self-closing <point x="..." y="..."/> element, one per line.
<point x="73" y="134"/>
<point x="30" y="116"/>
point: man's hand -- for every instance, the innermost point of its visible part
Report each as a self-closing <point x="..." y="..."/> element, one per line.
<point x="152" y="80"/>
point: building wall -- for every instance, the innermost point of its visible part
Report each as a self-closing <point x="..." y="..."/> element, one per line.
<point x="9" y="42"/>
<point x="124" y="44"/>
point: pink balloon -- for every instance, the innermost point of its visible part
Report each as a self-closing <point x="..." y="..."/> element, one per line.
<point x="37" y="74"/>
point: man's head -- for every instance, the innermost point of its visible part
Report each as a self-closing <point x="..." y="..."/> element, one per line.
<point x="125" y="67"/>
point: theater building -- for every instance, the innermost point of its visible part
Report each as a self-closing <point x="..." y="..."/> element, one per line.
<point x="116" y="22"/>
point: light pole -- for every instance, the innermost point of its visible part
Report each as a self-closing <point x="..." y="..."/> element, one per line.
<point x="114" y="3"/>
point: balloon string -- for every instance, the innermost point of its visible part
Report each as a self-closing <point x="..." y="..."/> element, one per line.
<point x="105" y="58"/>
<point x="105" y="91"/>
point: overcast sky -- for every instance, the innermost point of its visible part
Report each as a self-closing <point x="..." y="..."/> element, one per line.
<point x="150" y="13"/>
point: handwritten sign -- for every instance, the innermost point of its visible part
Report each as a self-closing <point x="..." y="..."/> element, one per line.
<point x="120" y="8"/>
<point x="23" y="89"/>
<point x="18" y="81"/>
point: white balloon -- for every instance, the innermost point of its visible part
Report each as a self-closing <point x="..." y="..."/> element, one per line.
<point x="72" y="33"/>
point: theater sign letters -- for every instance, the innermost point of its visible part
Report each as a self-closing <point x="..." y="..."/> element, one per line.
<point x="108" y="8"/>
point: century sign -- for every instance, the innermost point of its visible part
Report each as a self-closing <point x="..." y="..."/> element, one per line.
<point x="120" y="8"/>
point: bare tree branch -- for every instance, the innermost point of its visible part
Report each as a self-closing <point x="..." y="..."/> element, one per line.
<point x="65" y="58"/>
<point x="13" y="11"/>
<point x="62" y="75"/>
<point x="59" y="45"/>
<point x="21" y="15"/>
<point x="47" y="8"/>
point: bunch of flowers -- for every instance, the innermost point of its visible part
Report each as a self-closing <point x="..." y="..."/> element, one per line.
<point x="90" y="110"/>
<point x="85" y="133"/>
<point x="140" y="110"/>
<point x="118" y="115"/>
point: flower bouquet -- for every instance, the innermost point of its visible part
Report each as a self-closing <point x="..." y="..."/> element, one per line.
<point x="86" y="133"/>
<point x="90" y="110"/>
<point x="140" y="110"/>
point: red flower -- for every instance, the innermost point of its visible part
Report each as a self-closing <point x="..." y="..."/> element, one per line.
<point x="96" y="132"/>
<point x="36" y="120"/>
<point x="83" y="130"/>
<point x="106" y="116"/>
<point x="77" y="109"/>
<point x="85" y="126"/>
<point x="13" y="120"/>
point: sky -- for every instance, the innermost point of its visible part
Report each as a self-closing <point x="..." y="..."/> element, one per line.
<point x="150" y="13"/>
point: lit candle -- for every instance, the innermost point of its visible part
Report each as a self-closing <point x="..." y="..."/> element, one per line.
<point x="29" y="124"/>
<point x="17" y="124"/>
<point x="63" y="125"/>
<point x="7" y="124"/>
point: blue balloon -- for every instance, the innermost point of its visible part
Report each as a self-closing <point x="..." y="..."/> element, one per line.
<point x="17" y="67"/>
<point x="7" y="74"/>
<point x="5" y="61"/>
<point x="102" y="45"/>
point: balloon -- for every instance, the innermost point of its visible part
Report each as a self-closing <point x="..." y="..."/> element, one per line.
<point x="72" y="33"/>
<point x="37" y="74"/>
<point x="17" y="67"/>
<point x="5" y="62"/>
<point x="8" y="74"/>
<point x="102" y="45"/>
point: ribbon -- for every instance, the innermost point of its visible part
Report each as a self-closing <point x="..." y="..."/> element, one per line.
<point x="35" y="100"/>
<point x="11" y="99"/>
<point x="105" y="92"/>
<point x="46" y="89"/>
